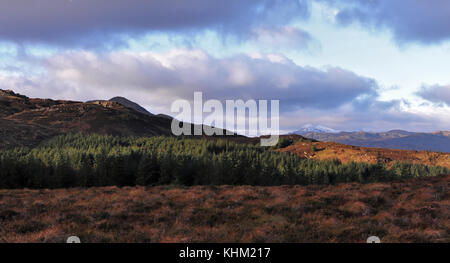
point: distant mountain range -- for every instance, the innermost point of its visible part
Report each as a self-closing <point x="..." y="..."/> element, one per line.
<point x="310" y="128"/>
<point x="395" y="139"/>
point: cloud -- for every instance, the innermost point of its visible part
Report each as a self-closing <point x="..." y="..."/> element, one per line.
<point x="332" y="96"/>
<point x="288" y="37"/>
<point x="178" y="73"/>
<point x="435" y="93"/>
<point x="419" y="21"/>
<point x="371" y="118"/>
<point x="73" y="21"/>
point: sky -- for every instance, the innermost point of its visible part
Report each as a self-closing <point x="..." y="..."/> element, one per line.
<point x="371" y="65"/>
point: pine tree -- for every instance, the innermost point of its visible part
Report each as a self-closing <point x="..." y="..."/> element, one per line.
<point x="148" y="171"/>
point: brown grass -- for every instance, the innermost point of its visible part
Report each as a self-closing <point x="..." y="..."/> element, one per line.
<point x="413" y="211"/>
<point x="348" y="153"/>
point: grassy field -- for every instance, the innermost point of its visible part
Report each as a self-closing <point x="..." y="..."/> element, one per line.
<point x="417" y="210"/>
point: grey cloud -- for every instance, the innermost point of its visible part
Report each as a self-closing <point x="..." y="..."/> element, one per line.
<point x="371" y="118"/>
<point x="70" y="21"/>
<point x="435" y="93"/>
<point x="420" y="21"/>
<point x="332" y="97"/>
<point x="179" y="73"/>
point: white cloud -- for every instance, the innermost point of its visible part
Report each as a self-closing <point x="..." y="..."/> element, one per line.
<point x="333" y="97"/>
<point x="287" y="37"/>
<point x="179" y="73"/>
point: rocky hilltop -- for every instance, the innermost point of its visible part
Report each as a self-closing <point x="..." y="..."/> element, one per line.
<point x="27" y="121"/>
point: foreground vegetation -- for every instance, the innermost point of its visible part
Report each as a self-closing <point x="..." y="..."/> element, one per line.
<point x="95" y="160"/>
<point x="415" y="210"/>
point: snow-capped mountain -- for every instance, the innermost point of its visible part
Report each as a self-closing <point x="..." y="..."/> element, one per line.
<point x="310" y="128"/>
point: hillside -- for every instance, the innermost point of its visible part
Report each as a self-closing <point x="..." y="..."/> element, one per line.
<point x="26" y="122"/>
<point x="412" y="211"/>
<point x="347" y="153"/>
<point x="396" y="139"/>
<point x="96" y="117"/>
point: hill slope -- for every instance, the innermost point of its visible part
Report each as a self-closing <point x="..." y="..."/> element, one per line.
<point x="26" y="121"/>
<point x="348" y="153"/>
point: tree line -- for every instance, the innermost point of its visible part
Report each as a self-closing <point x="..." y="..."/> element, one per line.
<point x="79" y="160"/>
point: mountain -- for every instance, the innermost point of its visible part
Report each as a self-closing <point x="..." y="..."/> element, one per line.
<point x="310" y="128"/>
<point x="26" y="122"/>
<point x="395" y="139"/>
<point x="129" y="104"/>
<point x="124" y="102"/>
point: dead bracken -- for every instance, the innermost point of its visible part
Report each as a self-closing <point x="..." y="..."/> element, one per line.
<point x="396" y="212"/>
